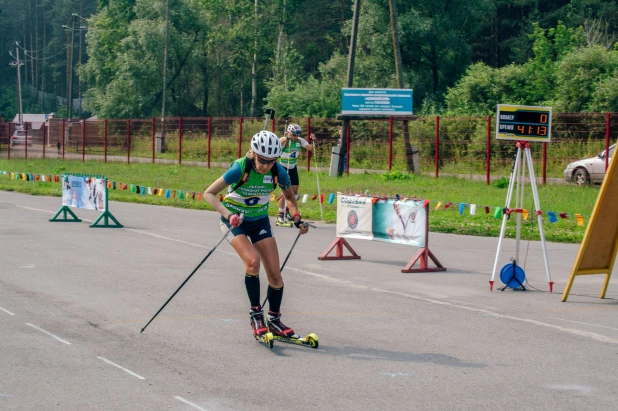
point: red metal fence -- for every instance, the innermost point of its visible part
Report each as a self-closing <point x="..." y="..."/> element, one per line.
<point x="453" y="145"/>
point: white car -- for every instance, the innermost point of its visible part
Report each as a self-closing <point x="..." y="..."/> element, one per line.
<point x="588" y="170"/>
<point x="19" y="138"/>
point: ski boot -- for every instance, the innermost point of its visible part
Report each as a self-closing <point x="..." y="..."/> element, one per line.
<point x="284" y="333"/>
<point x="260" y="330"/>
<point x="281" y="222"/>
<point x="288" y="216"/>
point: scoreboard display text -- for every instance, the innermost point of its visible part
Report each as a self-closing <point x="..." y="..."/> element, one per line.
<point x="528" y="123"/>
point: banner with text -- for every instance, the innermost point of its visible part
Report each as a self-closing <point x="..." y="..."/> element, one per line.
<point x="393" y="221"/>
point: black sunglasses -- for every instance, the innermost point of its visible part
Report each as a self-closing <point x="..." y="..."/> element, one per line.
<point x="265" y="162"/>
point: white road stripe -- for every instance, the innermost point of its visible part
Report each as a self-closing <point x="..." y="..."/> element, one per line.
<point x="6" y="311"/>
<point x="594" y="336"/>
<point x="197" y="407"/>
<point x="48" y="333"/>
<point x="579" y="322"/>
<point x="48" y="212"/>
<point x="35" y="209"/>
<point x="142" y="232"/>
<point x="122" y="368"/>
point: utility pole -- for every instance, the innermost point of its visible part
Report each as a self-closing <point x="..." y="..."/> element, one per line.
<point x="70" y="93"/>
<point x="17" y="63"/>
<point x="161" y="143"/>
<point x="71" y="53"/>
<point x="350" y="81"/>
<point x="399" y="73"/>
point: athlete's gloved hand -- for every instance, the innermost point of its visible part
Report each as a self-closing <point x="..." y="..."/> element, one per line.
<point x="299" y="223"/>
<point x="234" y="220"/>
<point x="312" y="138"/>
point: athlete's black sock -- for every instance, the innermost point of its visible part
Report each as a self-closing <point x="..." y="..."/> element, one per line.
<point x="274" y="295"/>
<point x="252" y="284"/>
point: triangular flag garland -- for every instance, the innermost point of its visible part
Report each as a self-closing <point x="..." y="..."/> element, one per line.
<point x="324" y="198"/>
<point x="580" y="219"/>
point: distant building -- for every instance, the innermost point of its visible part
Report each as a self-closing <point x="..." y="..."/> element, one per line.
<point x="35" y="121"/>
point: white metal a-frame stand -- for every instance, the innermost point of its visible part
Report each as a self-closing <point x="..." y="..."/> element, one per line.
<point x="517" y="178"/>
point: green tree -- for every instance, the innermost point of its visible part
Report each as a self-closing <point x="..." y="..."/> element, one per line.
<point x="586" y="79"/>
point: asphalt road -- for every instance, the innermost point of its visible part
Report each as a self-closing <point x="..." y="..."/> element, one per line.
<point x="73" y="300"/>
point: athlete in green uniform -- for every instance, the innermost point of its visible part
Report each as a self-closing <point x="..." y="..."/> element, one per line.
<point x="291" y="144"/>
<point x="251" y="181"/>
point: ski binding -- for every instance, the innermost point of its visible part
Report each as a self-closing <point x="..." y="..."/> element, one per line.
<point x="285" y="224"/>
<point x="310" y="340"/>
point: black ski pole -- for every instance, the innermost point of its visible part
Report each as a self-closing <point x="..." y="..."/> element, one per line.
<point x="185" y="281"/>
<point x="305" y="224"/>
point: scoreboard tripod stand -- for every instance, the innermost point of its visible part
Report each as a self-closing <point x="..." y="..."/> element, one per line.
<point x="517" y="178"/>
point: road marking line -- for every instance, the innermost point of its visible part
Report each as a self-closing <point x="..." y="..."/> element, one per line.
<point x="164" y="238"/>
<point x="48" y="333"/>
<point x="122" y="368"/>
<point x="594" y="336"/>
<point x="579" y="322"/>
<point x="48" y="212"/>
<point x="190" y="403"/>
<point x="35" y="209"/>
<point x="6" y="311"/>
<point x="477" y="305"/>
<point x="161" y="237"/>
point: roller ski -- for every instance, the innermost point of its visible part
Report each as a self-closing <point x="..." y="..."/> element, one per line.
<point x="283" y="222"/>
<point x="260" y="330"/>
<point x="283" y="333"/>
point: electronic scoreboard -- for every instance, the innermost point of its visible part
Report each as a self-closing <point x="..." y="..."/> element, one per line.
<point x="530" y="123"/>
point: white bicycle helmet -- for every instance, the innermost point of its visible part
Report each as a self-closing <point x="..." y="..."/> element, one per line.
<point x="266" y="144"/>
<point x="294" y="129"/>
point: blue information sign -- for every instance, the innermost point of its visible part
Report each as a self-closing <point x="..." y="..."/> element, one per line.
<point x="376" y="101"/>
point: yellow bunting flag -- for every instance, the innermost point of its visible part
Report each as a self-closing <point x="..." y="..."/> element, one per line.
<point x="525" y="214"/>
<point x="580" y="219"/>
<point x="439" y="204"/>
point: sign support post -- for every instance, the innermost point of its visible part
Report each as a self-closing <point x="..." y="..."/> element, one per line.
<point x="106" y="216"/>
<point x="424" y="254"/>
<point x="66" y="210"/>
